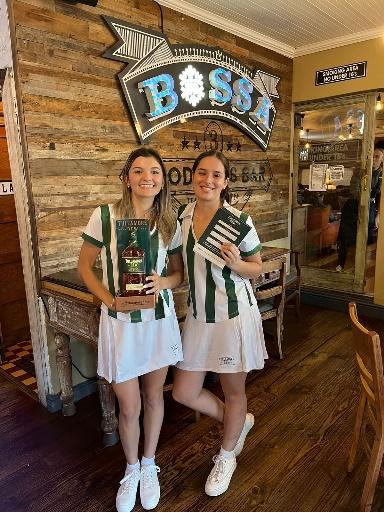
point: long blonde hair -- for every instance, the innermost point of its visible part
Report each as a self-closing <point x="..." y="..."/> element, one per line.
<point x="161" y="213"/>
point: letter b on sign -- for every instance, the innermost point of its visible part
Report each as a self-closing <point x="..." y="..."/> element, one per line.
<point x="161" y="97"/>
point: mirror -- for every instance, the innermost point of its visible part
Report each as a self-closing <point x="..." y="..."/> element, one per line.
<point x="328" y="184"/>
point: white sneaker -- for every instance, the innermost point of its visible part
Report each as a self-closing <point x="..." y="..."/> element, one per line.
<point x="149" y="486"/>
<point x="126" y="495"/>
<point x="220" y="475"/>
<point x="339" y="268"/>
<point x="248" y="424"/>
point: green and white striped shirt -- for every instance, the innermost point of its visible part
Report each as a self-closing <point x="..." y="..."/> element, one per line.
<point x="216" y="294"/>
<point x="101" y="232"/>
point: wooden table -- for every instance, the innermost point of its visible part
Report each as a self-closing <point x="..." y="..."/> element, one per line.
<point x="73" y="311"/>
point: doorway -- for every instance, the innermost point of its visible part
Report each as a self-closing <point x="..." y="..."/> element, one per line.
<point x="375" y="199"/>
<point x="14" y="323"/>
<point x="15" y="343"/>
<point x="332" y="175"/>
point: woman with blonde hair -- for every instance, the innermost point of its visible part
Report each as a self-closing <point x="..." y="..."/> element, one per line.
<point x="143" y="342"/>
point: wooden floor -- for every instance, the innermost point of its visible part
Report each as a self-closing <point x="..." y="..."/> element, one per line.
<point x="294" y="459"/>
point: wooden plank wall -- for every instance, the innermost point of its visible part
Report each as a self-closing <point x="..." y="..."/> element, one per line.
<point x="79" y="131"/>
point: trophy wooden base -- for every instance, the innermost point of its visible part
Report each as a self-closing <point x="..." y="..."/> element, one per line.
<point x="134" y="302"/>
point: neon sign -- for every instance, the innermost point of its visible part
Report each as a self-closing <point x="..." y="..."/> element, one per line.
<point x="166" y="83"/>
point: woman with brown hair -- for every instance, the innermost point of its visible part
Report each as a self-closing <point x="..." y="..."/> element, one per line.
<point x="223" y="329"/>
<point x="143" y="342"/>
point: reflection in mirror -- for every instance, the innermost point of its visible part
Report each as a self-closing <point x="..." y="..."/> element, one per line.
<point x="329" y="176"/>
<point x="374" y="204"/>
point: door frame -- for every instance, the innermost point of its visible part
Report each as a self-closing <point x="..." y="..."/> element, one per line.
<point x="28" y="241"/>
<point x="320" y="277"/>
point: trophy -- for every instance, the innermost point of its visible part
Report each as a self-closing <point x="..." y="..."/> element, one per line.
<point x="134" y="261"/>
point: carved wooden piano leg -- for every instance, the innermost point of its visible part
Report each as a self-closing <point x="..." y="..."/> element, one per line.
<point x="109" y="421"/>
<point x="64" y="369"/>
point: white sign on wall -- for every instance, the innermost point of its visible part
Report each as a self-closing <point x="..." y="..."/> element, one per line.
<point x="317" y="177"/>
<point x="336" y="172"/>
<point x="6" y="188"/>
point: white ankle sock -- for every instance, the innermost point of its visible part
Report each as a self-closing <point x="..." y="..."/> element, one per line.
<point x="226" y="454"/>
<point x="147" y="462"/>
<point x="131" y="467"/>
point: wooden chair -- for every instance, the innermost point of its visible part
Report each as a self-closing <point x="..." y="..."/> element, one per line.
<point x="293" y="283"/>
<point x="320" y="232"/>
<point x="370" y="412"/>
<point x="270" y="292"/>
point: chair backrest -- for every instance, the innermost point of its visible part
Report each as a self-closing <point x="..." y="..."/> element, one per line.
<point x="370" y="365"/>
<point x="275" y="286"/>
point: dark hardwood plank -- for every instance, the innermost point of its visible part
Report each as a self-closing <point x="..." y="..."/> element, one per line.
<point x="294" y="459"/>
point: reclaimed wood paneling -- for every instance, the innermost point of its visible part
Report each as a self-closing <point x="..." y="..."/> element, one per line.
<point x="79" y="131"/>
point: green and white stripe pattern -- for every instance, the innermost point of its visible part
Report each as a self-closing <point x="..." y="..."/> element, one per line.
<point x="101" y="233"/>
<point x="216" y="294"/>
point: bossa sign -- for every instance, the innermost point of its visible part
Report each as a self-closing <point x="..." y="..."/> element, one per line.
<point x="166" y="83"/>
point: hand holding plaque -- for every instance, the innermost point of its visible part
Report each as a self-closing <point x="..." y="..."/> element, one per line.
<point x="134" y="253"/>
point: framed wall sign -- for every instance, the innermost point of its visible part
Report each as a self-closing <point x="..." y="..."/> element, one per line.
<point x="317" y="177"/>
<point x="164" y="84"/>
<point x="336" y="172"/>
<point x="341" y="73"/>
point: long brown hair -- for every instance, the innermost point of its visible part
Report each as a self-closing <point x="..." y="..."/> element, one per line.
<point x="225" y="194"/>
<point x="161" y="211"/>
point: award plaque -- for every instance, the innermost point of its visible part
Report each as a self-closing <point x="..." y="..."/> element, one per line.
<point x="135" y="264"/>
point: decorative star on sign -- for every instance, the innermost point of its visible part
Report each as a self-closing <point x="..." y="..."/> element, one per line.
<point x="238" y="146"/>
<point x="197" y="144"/>
<point x="229" y="146"/>
<point x="185" y="143"/>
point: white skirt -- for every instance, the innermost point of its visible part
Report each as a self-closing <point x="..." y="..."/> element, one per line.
<point x="127" y="350"/>
<point x="231" y="346"/>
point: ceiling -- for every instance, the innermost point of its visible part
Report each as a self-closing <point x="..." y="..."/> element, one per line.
<point x="291" y="27"/>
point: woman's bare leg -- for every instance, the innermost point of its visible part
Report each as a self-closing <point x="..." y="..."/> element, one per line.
<point x="153" y="401"/>
<point x="128" y="395"/>
<point x="188" y="390"/>
<point x="233" y="385"/>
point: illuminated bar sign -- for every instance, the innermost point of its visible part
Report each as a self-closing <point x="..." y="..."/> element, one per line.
<point x="166" y="83"/>
<point x="341" y="73"/>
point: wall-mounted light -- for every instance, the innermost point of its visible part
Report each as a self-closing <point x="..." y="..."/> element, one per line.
<point x="307" y="144"/>
<point x="183" y="119"/>
<point x="379" y="103"/>
<point x="349" y="130"/>
<point x="302" y="131"/>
